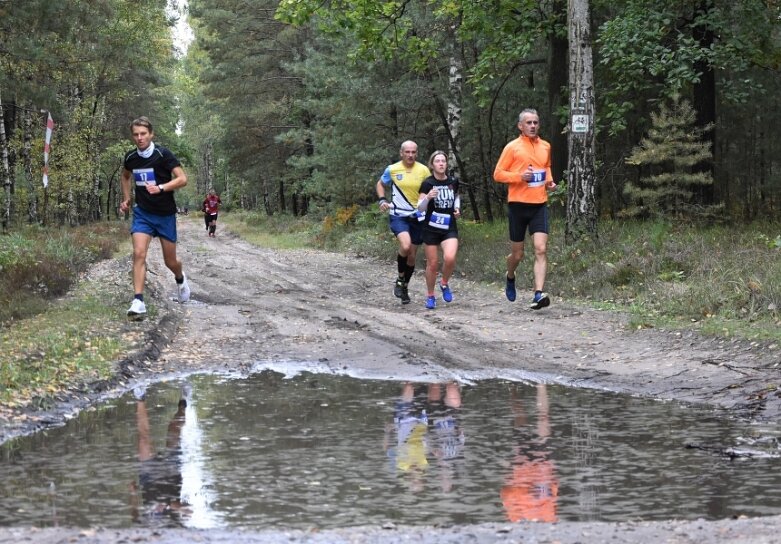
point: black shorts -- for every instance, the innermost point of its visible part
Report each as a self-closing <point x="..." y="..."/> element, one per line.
<point x="434" y="237"/>
<point x="521" y="217"/>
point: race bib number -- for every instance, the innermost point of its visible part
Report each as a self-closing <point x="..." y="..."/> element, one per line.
<point x="538" y="178"/>
<point x="142" y="176"/>
<point x="439" y="220"/>
<point x="420" y="215"/>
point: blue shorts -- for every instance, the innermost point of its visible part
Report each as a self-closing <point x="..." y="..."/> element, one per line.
<point x="407" y="224"/>
<point x="521" y="217"/>
<point x="163" y="226"/>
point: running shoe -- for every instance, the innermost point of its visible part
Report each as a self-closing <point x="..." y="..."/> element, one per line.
<point x="140" y="393"/>
<point x="431" y="303"/>
<point x="447" y="294"/>
<point x="187" y="391"/>
<point x="404" y="293"/>
<point x="398" y="286"/>
<point x="540" y="300"/>
<point x="137" y="309"/>
<point x="184" y="290"/>
<point x="509" y="289"/>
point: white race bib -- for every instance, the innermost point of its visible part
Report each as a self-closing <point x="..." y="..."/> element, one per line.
<point x="142" y="176"/>
<point x="538" y="178"/>
<point x="439" y="220"/>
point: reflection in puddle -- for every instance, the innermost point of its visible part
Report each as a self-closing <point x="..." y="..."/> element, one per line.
<point x="530" y="491"/>
<point x="328" y="451"/>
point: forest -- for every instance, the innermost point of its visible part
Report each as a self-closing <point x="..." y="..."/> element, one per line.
<point x="296" y="106"/>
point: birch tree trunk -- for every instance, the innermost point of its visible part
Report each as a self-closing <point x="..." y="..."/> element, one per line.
<point x="27" y="162"/>
<point x="5" y="172"/>
<point x="96" y="128"/>
<point x="206" y="180"/>
<point x="71" y="215"/>
<point x="581" y="202"/>
<point x="454" y="113"/>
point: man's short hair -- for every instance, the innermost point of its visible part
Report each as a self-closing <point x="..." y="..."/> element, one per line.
<point x="525" y="111"/>
<point x="141" y="122"/>
<point x="406" y="142"/>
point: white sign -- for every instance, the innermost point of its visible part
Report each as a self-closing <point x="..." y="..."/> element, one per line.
<point x="580" y="123"/>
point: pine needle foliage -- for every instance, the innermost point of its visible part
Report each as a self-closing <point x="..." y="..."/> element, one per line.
<point x="670" y="160"/>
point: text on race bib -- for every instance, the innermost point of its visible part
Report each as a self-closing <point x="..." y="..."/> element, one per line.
<point x="538" y="178"/>
<point x="439" y="220"/>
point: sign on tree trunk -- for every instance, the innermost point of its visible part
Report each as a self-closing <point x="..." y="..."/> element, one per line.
<point x="581" y="177"/>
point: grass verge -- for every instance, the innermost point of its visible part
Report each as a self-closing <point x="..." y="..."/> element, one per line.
<point x="48" y="344"/>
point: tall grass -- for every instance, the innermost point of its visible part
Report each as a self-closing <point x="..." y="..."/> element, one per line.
<point x="38" y="264"/>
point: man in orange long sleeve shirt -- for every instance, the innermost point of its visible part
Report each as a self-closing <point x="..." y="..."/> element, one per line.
<point x="525" y="166"/>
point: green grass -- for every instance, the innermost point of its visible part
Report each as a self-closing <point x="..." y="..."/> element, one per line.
<point x="38" y="264"/>
<point x="57" y="349"/>
<point x="278" y="232"/>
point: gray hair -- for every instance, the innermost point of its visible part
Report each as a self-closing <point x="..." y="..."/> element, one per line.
<point x="407" y="142"/>
<point x="525" y="111"/>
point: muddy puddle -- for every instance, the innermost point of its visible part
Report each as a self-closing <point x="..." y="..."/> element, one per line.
<point x="326" y="451"/>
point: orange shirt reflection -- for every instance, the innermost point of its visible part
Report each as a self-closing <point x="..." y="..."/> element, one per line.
<point x="531" y="491"/>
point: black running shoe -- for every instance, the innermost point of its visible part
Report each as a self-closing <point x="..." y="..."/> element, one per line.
<point x="404" y="294"/>
<point x="397" y="288"/>
<point x="540" y="301"/>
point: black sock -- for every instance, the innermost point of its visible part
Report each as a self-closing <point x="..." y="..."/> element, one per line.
<point x="180" y="281"/>
<point x="140" y="297"/>
<point x="401" y="264"/>
<point x="408" y="273"/>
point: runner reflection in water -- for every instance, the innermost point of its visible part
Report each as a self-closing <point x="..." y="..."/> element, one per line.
<point x="531" y="490"/>
<point x="427" y="429"/>
<point x="160" y="474"/>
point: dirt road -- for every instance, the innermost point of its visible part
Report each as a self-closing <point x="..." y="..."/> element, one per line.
<point x="252" y="306"/>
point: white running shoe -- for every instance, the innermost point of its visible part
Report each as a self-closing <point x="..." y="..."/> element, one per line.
<point x="184" y="290"/>
<point x="137" y="309"/>
<point x="187" y="391"/>
<point x="140" y="393"/>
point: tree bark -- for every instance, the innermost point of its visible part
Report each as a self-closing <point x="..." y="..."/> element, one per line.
<point x="454" y="113"/>
<point x="5" y="172"/>
<point x="581" y="202"/>
<point x="97" y="122"/>
<point x="27" y="162"/>
<point x="205" y="181"/>
<point x="451" y="115"/>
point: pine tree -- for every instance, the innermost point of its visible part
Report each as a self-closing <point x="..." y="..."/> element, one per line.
<point x="670" y="158"/>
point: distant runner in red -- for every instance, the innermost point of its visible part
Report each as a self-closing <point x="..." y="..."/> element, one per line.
<point x="210" y="207"/>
